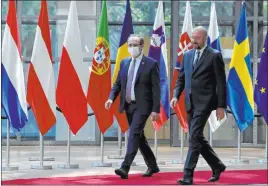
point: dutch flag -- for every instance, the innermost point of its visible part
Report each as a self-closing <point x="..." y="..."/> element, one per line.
<point x="13" y="84"/>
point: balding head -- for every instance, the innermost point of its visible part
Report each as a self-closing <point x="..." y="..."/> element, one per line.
<point x="201" y="29"/>
<point x="199" y="37"/>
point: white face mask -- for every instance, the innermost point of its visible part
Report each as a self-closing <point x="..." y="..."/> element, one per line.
<point x="134" y="51"/>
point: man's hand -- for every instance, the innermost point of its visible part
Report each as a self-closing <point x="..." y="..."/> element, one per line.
<point x="220" y="113"/>
<point x="173" y="102"/>
<point x="154" y="116"/>
<point x="108" y="104"/>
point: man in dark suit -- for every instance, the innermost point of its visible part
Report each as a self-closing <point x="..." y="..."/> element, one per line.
<point x="138" y="83"/>
<point x="202" y="75"/>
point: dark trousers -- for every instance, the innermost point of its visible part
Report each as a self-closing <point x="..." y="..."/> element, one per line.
<point x="136" y="139"/>
<point x="198" y="144"/>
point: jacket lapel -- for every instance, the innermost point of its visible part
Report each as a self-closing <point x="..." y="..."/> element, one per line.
<point x="192" y="61"/>
<point x="140" y="68"/>
<point x="200" y="60"/>
<point x="126" y="69"/>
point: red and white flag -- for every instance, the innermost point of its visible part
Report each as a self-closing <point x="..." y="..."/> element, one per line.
<point x="71" y="90"/>
<point x="184" y="46"/>
<point x="41" y="79"/>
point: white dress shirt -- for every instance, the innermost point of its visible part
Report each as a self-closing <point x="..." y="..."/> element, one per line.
<point x="137" y="64"/>
<point x="201" y="52"/>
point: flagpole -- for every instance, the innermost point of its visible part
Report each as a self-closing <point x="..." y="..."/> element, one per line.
<point x="156" y="147"/>
<point x="102" y="147"/>
<point x="155" y="144"/>
<point x="239" y="146"/>
<point x="8" y="150"/>
<point x="119" y="156"/>
<point x="68" y="165"/>
<point x="182" y="148"/>
<point x="182" y="145"/>
<point x="102" y="163"/>
<point x="41" y="166"/>
<point x="119" y="143"/>
<point x="8" y="167"/>
<point x="266" y="145"/>
<point x="239" y="160"/>
<point x="265" y="160"/>
<point x="126" y="143"/>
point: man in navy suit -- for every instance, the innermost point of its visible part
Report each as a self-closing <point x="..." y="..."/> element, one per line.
<point x="202" y="76"/>
<point x="138" y="83"/>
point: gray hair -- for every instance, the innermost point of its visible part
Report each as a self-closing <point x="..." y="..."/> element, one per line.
<point x="136" y="35"/>
<point x="201" y="28"/>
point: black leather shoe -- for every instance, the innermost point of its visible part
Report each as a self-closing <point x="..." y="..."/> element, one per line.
<point x="216" y="174"/>
<point x="150" y="172"/>
<point x="122" y="173"/>
<point x="185" y="181"/>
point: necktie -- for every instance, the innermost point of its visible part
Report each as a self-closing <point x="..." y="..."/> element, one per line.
<point x="196" y="59"/>
<point x="130" y="80"/>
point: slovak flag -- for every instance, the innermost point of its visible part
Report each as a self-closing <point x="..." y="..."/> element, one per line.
<point x="214" y="42"/>
<point x="13" y="84"/>
<point x="158" y="51"/>
<point x="184" y="45"/>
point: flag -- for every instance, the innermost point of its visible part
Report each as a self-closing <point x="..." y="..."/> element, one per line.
<point x="158" y="51"/>
<point x="261" y="85"/>
<point x="214" y="42"/>
<point x="239" y="83"/>
<point x="213" y="30"/>
<point x="184" y="45"/>
<point x="71" y="91"/>
<point x="41" y="80"/>
<point x="13" y="85"/>
<point x="122" y="53"/>
<point x="100" y="77"/>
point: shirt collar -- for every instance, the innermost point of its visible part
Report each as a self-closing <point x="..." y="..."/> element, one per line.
<point x="202" y="49"/>
<point x="139" y="58"/>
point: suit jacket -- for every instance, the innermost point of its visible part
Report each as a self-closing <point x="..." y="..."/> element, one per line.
<point x="205" y="85"/>
<point x="146" y="88"/>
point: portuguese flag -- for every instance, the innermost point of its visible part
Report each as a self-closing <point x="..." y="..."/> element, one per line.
<point x="100" y="77"/>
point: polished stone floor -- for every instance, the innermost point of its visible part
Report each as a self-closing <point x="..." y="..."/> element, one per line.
<point x="87" y="157"/>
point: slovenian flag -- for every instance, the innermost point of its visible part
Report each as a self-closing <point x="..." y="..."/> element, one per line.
<point x="13" y="84"/>
<point x="158" y="51"/>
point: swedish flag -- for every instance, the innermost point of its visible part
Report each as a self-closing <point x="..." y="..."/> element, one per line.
<point x="239" y="84"/>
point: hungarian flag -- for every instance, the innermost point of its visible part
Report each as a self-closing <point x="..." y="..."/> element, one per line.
<point x="158" y="51"/>
<point x="100" y="77"/>
<point x="71" y="91"/>
<point x="184" y="45"/>
<point x="41" y="80"/>
<point x="13" y="84"/>
<point x="122" y="53"/>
